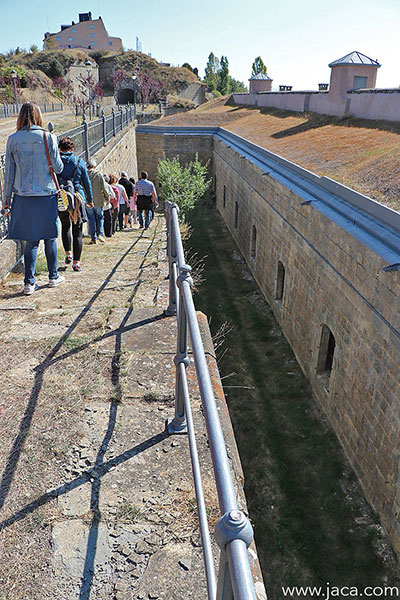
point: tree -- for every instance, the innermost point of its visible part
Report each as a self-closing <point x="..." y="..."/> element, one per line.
<point x="117" y="79"/>
<point x="62" y="88"/>
<point x="33" y="49"/>
<point x="86" y="83"/>
<point x="224" y="84"/>
<point x="50" y="43"/>
<point x="237" y="86"/>
<point x="150" y="90"/>
<point x="258" y="66"/>
<point x="183" y="184"/>
<point x="211" y="72"/>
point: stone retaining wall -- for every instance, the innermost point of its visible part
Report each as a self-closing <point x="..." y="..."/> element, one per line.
<point x="320" y="282"/>
<point x="151" y="148"/>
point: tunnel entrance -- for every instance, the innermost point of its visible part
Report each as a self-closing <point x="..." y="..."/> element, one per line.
<point x="126" y="96"/>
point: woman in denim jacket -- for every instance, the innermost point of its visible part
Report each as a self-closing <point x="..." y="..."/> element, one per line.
<point x="28" y="182"/>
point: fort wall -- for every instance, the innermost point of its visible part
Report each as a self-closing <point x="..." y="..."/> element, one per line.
<point x="337" y="307"/>
<point x="362" y="104"/>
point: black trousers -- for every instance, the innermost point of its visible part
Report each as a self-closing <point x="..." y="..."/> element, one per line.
<point x="107" y="222"/>
<point x="76" y="238"/>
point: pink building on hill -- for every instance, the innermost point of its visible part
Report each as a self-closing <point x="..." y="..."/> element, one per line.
<point x="88" y="33"/>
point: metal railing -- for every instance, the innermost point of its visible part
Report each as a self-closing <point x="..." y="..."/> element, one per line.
<point x="88" y="139"/>
<point x="10" y="110"/>
<point x="233" y="532"/>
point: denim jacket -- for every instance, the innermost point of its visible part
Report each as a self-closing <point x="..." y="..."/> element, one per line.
<point x="27" y="170"/>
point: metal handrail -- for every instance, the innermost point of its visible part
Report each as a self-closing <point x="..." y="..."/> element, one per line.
<point x="88" y="139"/>
<point x="233" y="532"/>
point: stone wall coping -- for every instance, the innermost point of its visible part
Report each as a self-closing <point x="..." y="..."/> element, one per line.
<point x="373" y="224"/>
<point x="375" y="91"/>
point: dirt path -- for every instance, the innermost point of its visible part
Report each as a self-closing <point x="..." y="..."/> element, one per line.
<point x="312" y="523"/>
<point x="96" y="501"/>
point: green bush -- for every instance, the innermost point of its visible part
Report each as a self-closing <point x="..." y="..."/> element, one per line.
<point x="49" y="63"/>
<point x="21" y="73"/>
<point x="183" y="184"/>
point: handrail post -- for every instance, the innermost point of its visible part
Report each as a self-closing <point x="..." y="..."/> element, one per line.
<point x="85" y="137"/>
<point x="172" y="262"/>
<point x="178" y="423"/>
<point x="113" y="120"/>
<point x="103" y="118"/>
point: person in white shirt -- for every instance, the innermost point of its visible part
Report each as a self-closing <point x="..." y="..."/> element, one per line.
<point x="144" y="195"/>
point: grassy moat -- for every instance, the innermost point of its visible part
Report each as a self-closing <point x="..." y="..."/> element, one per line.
<point x="312" y="523"/>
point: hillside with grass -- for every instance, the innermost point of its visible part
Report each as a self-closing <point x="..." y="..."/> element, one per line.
<point x="38" y="70"/>
<point x="361" y="154"/>
<point x="173" y="78"/>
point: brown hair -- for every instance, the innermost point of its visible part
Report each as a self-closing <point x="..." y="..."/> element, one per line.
<point x="30" y="114"/>
<point x="66" y="144"/>
<point x="113" y="179"/>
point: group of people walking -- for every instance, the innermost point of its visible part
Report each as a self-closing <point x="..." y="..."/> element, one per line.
<point x="46" y="182"/>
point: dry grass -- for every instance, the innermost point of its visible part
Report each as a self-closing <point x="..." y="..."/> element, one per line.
<point x="364" y="155"/>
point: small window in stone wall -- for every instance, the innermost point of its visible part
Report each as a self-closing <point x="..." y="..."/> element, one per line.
<point x="215" y="183"/>
<point x="280" y="282"/>
<point x="253" y="246"/>
<point x="224" y="200"/>
<point x="326" y="354"/>
<point x="236" y="214"/>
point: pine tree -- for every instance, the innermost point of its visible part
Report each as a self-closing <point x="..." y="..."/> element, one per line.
<point x="258" y="66"/>
<point x="224" y="83"/>
<point x="211" y="72"/>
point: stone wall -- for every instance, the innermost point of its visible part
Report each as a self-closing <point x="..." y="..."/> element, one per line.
<point x="338" y="309"/>
<point x="121" y="156"/>
<point x="362" y="104"/>
<point x="333" y="281"/>
<point x="150" y="148"/>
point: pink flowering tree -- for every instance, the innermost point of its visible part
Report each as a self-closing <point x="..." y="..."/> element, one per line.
<point x="150" y="90"/>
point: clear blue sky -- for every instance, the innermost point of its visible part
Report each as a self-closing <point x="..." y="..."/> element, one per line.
<point x="296" y="39"/>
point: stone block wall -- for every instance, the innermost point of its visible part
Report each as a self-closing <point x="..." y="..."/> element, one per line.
<point x="332" y="283"/>
<point x="151" y="148"/>
<point x="333" y="289"/>
<point x="121" y="156"/>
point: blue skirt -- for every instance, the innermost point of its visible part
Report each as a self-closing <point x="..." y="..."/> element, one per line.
<point x="33" y="218"/>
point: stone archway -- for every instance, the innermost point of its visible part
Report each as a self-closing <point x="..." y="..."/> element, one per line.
<point x="126" y="96"/>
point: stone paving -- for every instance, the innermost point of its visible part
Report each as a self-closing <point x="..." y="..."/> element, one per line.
<point x="96" y="500"/>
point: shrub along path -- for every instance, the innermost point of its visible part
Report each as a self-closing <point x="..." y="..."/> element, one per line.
<point x="96" y="501"/>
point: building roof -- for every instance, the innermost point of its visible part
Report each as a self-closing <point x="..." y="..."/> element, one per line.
<point x="260" y="76"/>
<point x="355" y="58"/>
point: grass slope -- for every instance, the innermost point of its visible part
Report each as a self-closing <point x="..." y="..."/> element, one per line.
<point x="361" y="154"/>
<point x="312" y="523"/>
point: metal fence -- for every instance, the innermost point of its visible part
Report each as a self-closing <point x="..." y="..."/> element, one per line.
<point x="233" y="532"/>
<point x="10" y="110"/>
<point x="88" y="139"/>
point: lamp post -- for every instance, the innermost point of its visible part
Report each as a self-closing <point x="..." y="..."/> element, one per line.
<point x="88" y="65"/>
<point x="134" y="78"/>
<point x="14" y="80"/>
